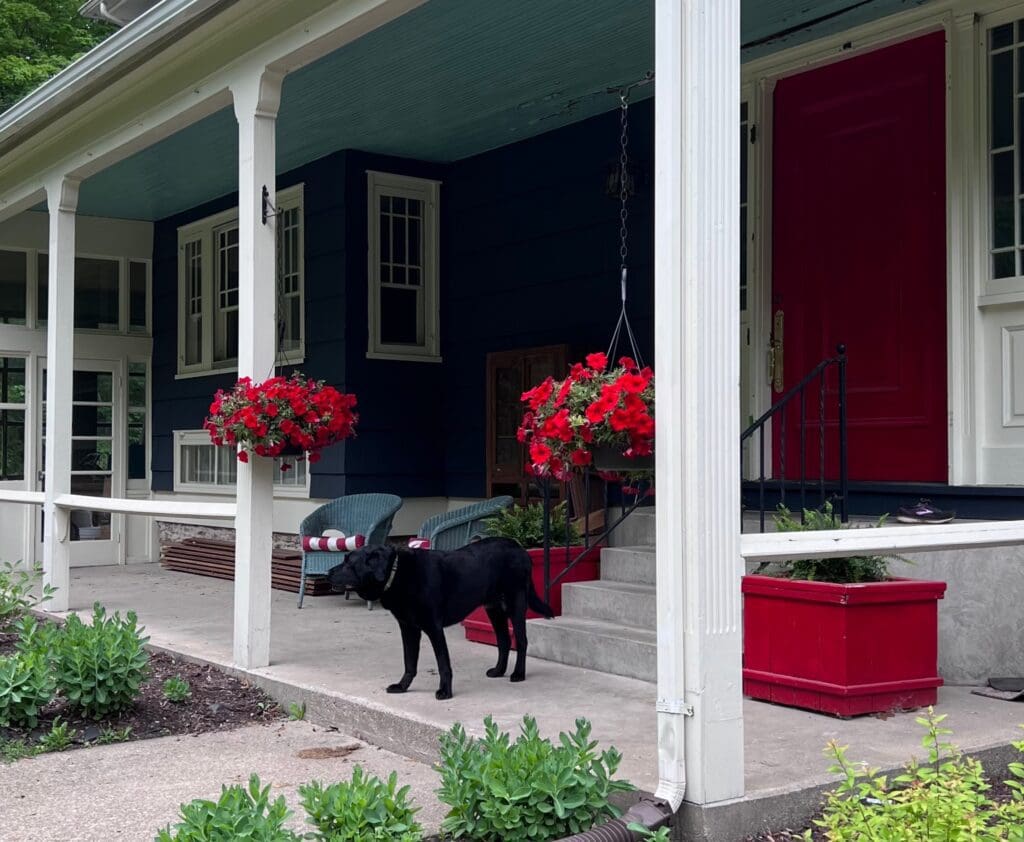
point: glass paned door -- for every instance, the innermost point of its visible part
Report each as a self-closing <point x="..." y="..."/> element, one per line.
<point x="96" y="464"/>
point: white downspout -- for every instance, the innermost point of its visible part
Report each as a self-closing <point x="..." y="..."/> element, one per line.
<point x="696" y="330"/>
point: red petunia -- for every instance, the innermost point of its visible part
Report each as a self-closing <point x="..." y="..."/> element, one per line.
<point x="540" y="453"/>
<point x="243" y="456"/>
<point x="580" y="458"/>
<point x="597" y="361"/>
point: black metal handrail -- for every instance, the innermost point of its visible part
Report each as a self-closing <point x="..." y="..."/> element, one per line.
<point x="778" y="412"/>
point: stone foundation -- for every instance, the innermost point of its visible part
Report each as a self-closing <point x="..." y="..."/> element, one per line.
<point x="172" y="532"/>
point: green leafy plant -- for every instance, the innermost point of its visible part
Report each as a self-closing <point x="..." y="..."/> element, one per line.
<point x="176" y="689"/>
<point x="297" y="711"/>
<point x="662" y="834"/>
<point x="26" y="685"/>
<point x="529" y="789"/>
<point x="943" y="799"/>
<point x="862" y="568"/>
<point x="114" y="735"/>
<point x="58" y="738"/>
<point x="525" y="524"/>
<point x="364" y="809"/>
<point x="18" y="587"/>
<point x="100" y="667"/>
<point x="12" y="750"/>
<point x="240" y="813"/>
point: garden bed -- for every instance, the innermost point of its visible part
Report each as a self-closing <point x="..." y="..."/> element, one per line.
<point x="218" y="702"/>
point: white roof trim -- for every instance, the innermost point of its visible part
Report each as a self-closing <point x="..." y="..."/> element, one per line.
<point x="118" y="51"/>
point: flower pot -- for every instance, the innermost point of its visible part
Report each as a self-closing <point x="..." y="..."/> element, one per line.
<point x="841" y="649"/>
<point x="611" y="459"/>
<point x="478" y="626"/>
<point x="291" y="450"/>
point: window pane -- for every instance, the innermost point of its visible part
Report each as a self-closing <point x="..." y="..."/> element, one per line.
<point x="1002" y="36"/>
<point x="137" y="385"/>
<point x="1002" y="100"/>
<point x="399" y="316"/>
<point x="12" y="444"/>
<point x="225" y="336"/>
<point x="1002" y="200"/>
<point x="12" y="380"/>
<point x="91" y="420"/>
<point x="398" y="239"/>
<point x="1003" y="265"/>
<point x="415" y="257"/>
<point x="193" y="350"/>
<point x="96" y="293"/>
<point x="92" y="386"/>
<point x="13" y="287"/>
<point x="90" y="455"/>
<point x="137" y="296"/>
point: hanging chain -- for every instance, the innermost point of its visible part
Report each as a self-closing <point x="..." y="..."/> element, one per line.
<point x="624" y="182"/>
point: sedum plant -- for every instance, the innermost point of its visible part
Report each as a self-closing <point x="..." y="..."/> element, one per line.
<point x="527" y="789"/>
<point x="176" y="689"/>
<point x="364" y="809"/>
<point x="26" y="686"/>
<point x="17" y="592"/>
<point x="240" y="813"/>
<point x="943" y="799"/>
<point x="100" y="667"/>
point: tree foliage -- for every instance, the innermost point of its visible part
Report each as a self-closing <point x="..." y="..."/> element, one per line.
<point x="37" y="39"/>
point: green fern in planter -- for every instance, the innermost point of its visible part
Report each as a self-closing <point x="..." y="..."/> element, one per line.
<point x="525" y="524"/>
<point x="846" y="570"/>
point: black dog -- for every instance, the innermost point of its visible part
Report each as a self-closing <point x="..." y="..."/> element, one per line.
<point x="427" y="590"/>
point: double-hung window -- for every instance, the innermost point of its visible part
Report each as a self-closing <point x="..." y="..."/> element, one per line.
<point x="208" y="276"/>
<point x="403" y="267"/>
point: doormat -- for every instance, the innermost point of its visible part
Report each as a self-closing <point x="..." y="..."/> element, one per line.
<point x="1008" y="689"/>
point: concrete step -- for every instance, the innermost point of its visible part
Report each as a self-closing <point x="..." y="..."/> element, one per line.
<point x="615" y="602"/>
<point x="635" y="565"/>
<point x="636" y="530"/>
<point x="597" y="645"/>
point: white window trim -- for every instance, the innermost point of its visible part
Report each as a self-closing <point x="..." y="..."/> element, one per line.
<point x="428" y="192"/>
<point x="201" y="437"/>
<point x="202" y="230"/>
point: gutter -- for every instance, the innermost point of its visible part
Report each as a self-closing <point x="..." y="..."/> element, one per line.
<point x="123" y="51"/>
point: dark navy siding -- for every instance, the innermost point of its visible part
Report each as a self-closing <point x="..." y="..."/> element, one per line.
<point x="533" y="259"/>
<point x="182" y="404"/>
<point x="529" y="256"/>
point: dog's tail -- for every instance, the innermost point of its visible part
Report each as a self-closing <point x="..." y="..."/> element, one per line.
<point x="537" y="604"/>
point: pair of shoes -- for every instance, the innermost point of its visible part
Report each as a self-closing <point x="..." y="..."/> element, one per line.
<point x="923" y="512"/>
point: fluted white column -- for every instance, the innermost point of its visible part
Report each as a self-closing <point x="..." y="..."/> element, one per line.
<point x="696" y="251"/>
<point x="62" y="202"/>
<point x="257" y="100"/>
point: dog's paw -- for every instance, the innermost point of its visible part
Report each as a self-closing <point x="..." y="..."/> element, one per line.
<point x="397" y="688"/>
<point x="494" y="672"/>
<point x="516" y="677"/>
<point x="441" y="695"/>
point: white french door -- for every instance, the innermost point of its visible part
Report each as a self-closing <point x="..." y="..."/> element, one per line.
<point x="97" y="447"/>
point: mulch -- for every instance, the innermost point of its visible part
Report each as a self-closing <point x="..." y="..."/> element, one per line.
<point x="219" y="702"/>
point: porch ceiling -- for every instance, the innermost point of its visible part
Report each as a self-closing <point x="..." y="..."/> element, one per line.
<point x="448" y="80"/>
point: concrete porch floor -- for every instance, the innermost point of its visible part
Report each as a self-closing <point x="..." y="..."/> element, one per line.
<point x="337" y="657"/>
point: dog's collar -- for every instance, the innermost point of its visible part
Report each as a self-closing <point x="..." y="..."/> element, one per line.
<point x="391" y="575"/>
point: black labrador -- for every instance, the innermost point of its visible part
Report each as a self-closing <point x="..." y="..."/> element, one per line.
<point x="427" y="590"/>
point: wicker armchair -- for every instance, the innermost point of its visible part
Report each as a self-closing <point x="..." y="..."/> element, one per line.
<point x="357" y="514"/>
<point x="454" y="529"/>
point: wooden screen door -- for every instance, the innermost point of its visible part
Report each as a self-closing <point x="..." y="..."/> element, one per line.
<point x="859" y="254"/>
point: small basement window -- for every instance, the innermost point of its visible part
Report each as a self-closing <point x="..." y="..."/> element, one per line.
<point x="202" y="467"/>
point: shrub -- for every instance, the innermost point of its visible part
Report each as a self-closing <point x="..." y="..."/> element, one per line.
<point x="176" y="689"/>
<point x="101" y="666"/>
<point x="941" y="799"/>
<point x="16" y="592"/>
<point x="34" y="636"/>
<point x="525" y="524"/>
<point x="239" y="813"/>
<point x="26" y="685"/>
<point x="364" y="809"/>
<point x="529" y="789"/>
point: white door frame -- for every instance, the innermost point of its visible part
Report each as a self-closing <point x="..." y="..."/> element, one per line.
<point x="98" y="552"/>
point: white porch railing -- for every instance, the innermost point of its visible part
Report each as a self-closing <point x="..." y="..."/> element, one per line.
<point x="125" y="506"/>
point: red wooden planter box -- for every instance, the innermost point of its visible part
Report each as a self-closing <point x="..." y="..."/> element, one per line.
<point x="841" y="649"/>
<point x="478" y="626"/>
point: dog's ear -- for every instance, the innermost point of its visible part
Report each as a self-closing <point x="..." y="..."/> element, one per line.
<point x="380" y="562"/>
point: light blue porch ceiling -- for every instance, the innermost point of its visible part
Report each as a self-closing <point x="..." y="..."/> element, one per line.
<point x="448" y="80"/>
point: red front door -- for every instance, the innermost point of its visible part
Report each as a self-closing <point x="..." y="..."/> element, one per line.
<point x="859" y="256"/>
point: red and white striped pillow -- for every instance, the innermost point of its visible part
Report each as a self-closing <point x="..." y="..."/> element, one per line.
<point x="332" y="543"/>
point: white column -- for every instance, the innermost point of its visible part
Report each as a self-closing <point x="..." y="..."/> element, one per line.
<point x="62" y="201"/>
<point x="256" y="103"/>
<point x="696" y="289"/>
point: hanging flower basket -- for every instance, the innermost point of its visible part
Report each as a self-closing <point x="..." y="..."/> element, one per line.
<point x="282" y="416"/>
<point x="595" y="413"/>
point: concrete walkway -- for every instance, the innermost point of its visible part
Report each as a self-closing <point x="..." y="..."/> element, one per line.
<point x="129" y="790"/>
<point x="337" y="657"/>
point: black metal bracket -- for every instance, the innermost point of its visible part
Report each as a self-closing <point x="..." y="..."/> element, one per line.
<point x="268" y="207"/>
